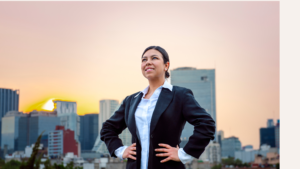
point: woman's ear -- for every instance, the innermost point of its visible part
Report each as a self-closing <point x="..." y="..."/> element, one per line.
<point x="167" y="64"/>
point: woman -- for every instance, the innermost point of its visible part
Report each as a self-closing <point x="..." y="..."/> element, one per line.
<point x="155" y="118"/>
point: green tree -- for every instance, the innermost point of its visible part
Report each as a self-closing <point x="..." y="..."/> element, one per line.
<point x="31" y="160"/>
<point x="61" y="166"/>
<point x="38" y="162"/>
<point x="12" y="164"/>
<point x="47" y="164"/>
<point x="219" y="166"/>
<point x="70" y="165"/>
<point x="238" y="162"/>
<point x="2" y="162"/>
<point x="58" y="166"/>
<point x="228" y="161"/>
<point x="246" y="165"/>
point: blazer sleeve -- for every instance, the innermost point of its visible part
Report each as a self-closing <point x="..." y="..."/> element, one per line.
<point x="112" y="127"/>
<point x="204" y="125"/>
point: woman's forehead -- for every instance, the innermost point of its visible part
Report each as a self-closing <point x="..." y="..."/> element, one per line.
<point x="152" y="52"/>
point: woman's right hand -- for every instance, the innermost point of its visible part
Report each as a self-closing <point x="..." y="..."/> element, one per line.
<point x="130" y="151"/>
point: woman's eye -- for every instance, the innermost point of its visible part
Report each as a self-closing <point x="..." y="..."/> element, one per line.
<point x="143" y="60"/>
<point x="154" y="57"/>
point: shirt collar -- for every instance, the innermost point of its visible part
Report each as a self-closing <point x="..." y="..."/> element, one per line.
<point x="166" y="85"/>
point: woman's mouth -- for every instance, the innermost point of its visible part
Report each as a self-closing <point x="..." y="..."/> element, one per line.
<point x="149" y="69"/>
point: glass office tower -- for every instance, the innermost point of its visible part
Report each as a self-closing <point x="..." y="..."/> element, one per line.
<point x="202" y="84"/>
<point x="41" y="122"/>
<point x="267" y="136"/>
<point x="230" y="145"/>
<point x="12" y="131"/>
<point x="277" y="134"/>
<point x="88" y="130"/>
<point x="270" y="123"/>
<point x="9" y="101"/>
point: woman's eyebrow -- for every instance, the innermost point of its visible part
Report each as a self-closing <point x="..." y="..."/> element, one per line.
<point x="150" y="56"/>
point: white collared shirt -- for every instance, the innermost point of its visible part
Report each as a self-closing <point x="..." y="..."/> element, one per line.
<point x="143" y="117"/>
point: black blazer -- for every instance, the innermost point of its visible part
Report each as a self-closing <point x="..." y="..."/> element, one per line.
<point x="171" y="112"/>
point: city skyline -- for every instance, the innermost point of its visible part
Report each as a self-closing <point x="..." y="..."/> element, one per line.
<point x="84" y="54"/>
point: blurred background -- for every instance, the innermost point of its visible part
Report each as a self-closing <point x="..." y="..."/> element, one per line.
<point x="66" y="66"/>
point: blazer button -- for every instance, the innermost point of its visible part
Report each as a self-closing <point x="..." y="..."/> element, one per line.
<point x="151" y="136"/>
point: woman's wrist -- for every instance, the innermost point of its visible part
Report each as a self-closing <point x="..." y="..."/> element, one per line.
<point x="120" y="151"/>
<point x="184" y="157"/>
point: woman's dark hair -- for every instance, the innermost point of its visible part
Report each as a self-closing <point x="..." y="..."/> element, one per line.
<point x="165" y="56"/>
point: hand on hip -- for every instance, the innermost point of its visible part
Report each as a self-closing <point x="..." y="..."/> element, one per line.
<point x="130" y="151"/>
<point x="170" y="152"/>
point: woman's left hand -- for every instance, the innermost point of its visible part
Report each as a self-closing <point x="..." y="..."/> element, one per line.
<point x="168" y="151"/>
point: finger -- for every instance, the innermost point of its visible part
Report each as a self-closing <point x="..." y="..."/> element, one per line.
<point x="164" y="145"/>
<point x="130" y="156"/>
<point x="165" y="160"/>
<point x="132" y="152"/>
<point x="133" y="145"/>
<point x="133" y="148"/>
<point x="162" y="154"/>
<point x="161" y="150"/>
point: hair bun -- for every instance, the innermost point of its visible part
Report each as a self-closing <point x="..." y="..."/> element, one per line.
<point x="167" y="74"/>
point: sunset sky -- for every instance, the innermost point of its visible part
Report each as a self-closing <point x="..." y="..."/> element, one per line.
<point x="88" y="51"/>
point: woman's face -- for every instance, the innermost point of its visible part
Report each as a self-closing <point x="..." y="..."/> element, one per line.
<point x="153" y="65"/>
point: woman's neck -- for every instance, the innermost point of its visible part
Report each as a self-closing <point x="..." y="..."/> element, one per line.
<point x="154" y="84"/>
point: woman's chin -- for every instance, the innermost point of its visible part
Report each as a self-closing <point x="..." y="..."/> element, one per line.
<point x="150" y="77"/>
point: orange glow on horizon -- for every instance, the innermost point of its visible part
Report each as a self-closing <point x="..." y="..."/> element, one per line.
<point x="48" y="105"/>
<point x="38" y="106"/>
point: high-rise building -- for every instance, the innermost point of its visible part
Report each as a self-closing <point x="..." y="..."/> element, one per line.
<point x="221" y="134"/>
<point x="88" y="131"/>
<point x="212" y="153"/>
<point x="230" y="145"/>
<point x="56" y="144"/>
<point x="9" y="101"/>
<point x="246" y="156"/>
<point x="267" y="135"/>
<point x="247" y="147"/>
<point x="220" y="137"/>
<point x="202" y="84"/>
<point x="61" y="141"/>
<point x="40" y="121"/>
<point x="270" y="123"/>
<point x="277" y="134"/>
<point x="67" y="112"/>
<point x="107" y="109"/>
<point x="14" y="131"/>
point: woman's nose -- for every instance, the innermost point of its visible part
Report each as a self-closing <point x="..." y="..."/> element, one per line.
<point x="148" y="62"/>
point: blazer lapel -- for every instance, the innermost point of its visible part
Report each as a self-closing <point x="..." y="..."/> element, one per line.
<point x="131" y="118"/>
<point x="162" y="103"/>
